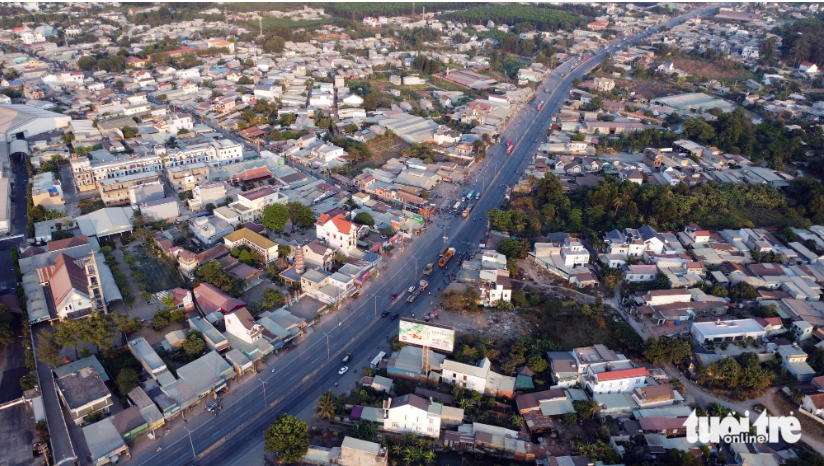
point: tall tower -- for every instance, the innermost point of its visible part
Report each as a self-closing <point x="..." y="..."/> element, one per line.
<point x="95" y="288"/>
<point x="300" y="265"/>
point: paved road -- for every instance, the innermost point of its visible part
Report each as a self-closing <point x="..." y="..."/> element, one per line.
<point x="306" y="372"/>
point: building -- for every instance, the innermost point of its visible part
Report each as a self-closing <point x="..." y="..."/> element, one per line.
<point x="213" y="153"/>
<point x="212" y="299"/>
<point x="48" y="192"/>
<point x="151" y="362"/>
<point x="207" y="374"/>
<point x="411" y="413"/>
<point x="614" y="381"/>
<point x="142" y="193"/>
<point x="356" y="452"/>
<point x="209" y="230"/>
<point x="162" y="209"/>
<point x="19" y="121"/>
<point x="250" y="204"/>
<point x="74" y="286"/>
<point x="479" y="378"/>
<point x="337" y="232"/>
<point x="246" y="237"/>
<point x="179" y="121"/>
<point x="188" y="177"/>
<point x="115" y="191"/>
<point x="564" y="368"/>
<point x="203" y="195"/>
<point x="83" y="393"/>
<point x="106" y="222"/>
<point x="727" y="330"/>
<point x="604" y="84"/>
<point x="105" y="442"/>
<point x="241" y="325"/>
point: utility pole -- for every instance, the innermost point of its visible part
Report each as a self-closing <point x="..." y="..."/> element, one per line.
<point x="328" y="354"/>
<point x="264" y="394"/>
<point x="194" y="455"/>
<point x="376" y="304"/>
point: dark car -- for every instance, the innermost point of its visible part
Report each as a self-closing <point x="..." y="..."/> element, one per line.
<point x="395" y="316"/>
<point x="384" y="313"/>
<point x="346" y="358"/>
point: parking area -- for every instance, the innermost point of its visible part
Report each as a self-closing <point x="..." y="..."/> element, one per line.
<point x="18" y="432"/>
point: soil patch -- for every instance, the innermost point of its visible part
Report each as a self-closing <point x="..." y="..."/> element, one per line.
<point x="709" y="69"/>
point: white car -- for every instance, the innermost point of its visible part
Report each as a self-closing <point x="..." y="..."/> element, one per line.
<point x="411" y="289"/>
<point x="343" y="370"/>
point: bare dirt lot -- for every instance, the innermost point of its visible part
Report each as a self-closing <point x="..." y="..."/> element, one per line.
<point x="710" y="70"/>
<point x="649" y="90"/>
<point x="487" y="324"/>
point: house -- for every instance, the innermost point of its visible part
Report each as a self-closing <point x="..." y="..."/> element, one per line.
<point x="356" y="452"/>
<point x="212" y="299"/>
<point x="209" y="230"/>
<point x="604" y="84"/>
<point x="207" y="374"/>
<point x="267" y="248"/>
<point x="564" y="368"/>
<point x="83" y="393"/>
<point x="151" y="362"/>
<point x="795" y="361"/>
<point x="104" y="441"/>
<point x="250" y="204"/>
<point x="807" y="67"/>
<point x="614" y="381"/>
<point x="316" y="255"/>
<point x="215" y="341"/>
<point x="337" y="232"/>
<point x="814" y="404"/>
<point x="726" y="330"/>
<point x="641" y="273"/>
<point x="75" y="289"/>
<point x="411" y="413"/>
<point x="654" y="396"/>
<point x="480" y="378"/>
<point x="241" y="325"/>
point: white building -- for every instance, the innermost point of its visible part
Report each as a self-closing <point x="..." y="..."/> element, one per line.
<point x="411" y="413"/>
<point x="215" y="153"/>
<point x="241" y="325"/>
<point x="213" y="193"/>
<point x="480" y="378"/>
<point x="574" y="253"/>
<point x="177" y="122"/>
<point x="250" y="204"/>
<point x="727" y="330"/>
<point x="209" y="230"/>
<point x="614" y="381"/>
<point x="338" y="232"/>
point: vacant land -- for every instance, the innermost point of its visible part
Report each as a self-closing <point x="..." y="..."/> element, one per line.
<point x="710" y="69"/>
<point x="648" y="90"/>
<point x="161" y="276"/>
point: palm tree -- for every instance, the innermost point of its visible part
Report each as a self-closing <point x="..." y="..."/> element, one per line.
<point x="465" y="404"/>
<point x="517" y="421"/>
<point x="586" y="408"/>
<point x="409" y="454"/>
<point x="326" y="406"/>
<point x="429" y="457"/>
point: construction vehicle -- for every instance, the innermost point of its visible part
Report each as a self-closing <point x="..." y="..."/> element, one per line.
<point x="446" y="256"/>
<point x="416" y="293"/>
<point x="428" y="269"/>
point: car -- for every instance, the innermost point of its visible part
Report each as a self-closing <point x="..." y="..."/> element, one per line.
<point x="412" y="289"/>
<point x="343" y="370"/>
<point x="395" y="316"/>
<point x="394" y="295"/>
<point x="383" y="314"/>
<point x="346" y="358"/>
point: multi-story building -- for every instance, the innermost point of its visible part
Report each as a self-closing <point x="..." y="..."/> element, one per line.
<point x="480" y="378"/>
<point x="573" y="252"/>
<point x="213" y="153"/>
<point x="241" y="325"/>
<point x="179" y="121"/>
<point x="187" y="177"/>
<point x="203" y="195"/>
<point x="410" y="413"/>
<point x="88" y="174"/>
<point x="115" y="191"/>
<point x="209" y="230"/>
<point x="250" y="204"/>
<point x="246" y="237"/>
<point x="623" y="380"/>
<point x="75" y="286"/>
<point x="338" y="232"/>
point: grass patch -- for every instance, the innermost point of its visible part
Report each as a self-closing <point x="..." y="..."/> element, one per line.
<point x="161" y="275"/>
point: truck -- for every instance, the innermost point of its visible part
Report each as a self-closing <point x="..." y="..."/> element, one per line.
<point x="446" y="256"/>
<point x="377" y="360"/>
<point x="466" y="211"/>
<point x="540" y="105"/>
<point x="509" y="150"/>
<point x="428" y="269"/>
<point x="469" y="195"/>
<point x="422" y="286"/>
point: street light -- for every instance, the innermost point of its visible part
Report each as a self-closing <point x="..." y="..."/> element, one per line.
<point x="376" y="304"/>
<point x="328" y="354"/>
<point x="264" y="393"/>
<point x="194" y="455"/>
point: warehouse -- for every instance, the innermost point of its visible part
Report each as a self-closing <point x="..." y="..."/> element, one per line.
<point x="24" y="121"/>
<point x="694" y="102"/>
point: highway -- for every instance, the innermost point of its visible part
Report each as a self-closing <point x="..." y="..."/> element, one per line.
<point x="305" y="372"/>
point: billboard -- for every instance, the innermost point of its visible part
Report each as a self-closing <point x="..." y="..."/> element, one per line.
<point x="434" y="336"/>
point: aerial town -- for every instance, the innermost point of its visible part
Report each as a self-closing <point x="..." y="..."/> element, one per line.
<point x="577" y="234"/>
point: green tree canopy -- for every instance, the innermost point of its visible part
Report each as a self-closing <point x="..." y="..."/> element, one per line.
<point x="275" y="217"/>
<point x="289" y="436"/>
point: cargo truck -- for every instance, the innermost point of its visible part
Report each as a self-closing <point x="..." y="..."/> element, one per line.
<point x="412" y="297"/>
<point x="446" y="256"/>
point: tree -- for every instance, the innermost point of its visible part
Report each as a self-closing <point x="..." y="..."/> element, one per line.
<point x="517" y="421"/>
<point x="719" y="290"/>
<point x="340" y="257"/>
<point x="302" y="215"/>
<point x="767" y="50"/>
<point x="127" y="380"/>
<point x="128" y="132"/>
<point x="425" y="194"/>
<point x="160" y="320"/>
<point x="212" y="273"/>
<point x="662" y="281"/>
<point x="272" y="298"/>
<point x="194" y="344"/>
<point x="365" y="218"/>
<point x="289" y="436"/>
<point x="537" y="363"/>
<point x="742" y="291"/>
<point x="182" y="131"/>
<point x="586" y="408"/>
<point x="365" y="430"/>
<point x="48" y="350"/>
<point x="665" y="349"/>
<point x="6" y="319"/>
<point x="766" y="311"/>
<point x="87" y="63"/>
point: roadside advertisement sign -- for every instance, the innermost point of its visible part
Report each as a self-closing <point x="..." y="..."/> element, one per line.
<point x="437" y="337"/>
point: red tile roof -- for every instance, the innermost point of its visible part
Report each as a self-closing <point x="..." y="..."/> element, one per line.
<point x="67" y="243"/>
<point x="622" y="374"/>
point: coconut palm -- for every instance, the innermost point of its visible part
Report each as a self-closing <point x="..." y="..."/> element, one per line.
<point x="465" y="404"/>
<point x="429" y="457"/>
<point x="517" y="421"/>
<point x="326" y="406"/>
